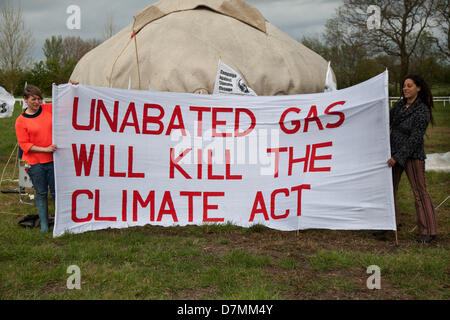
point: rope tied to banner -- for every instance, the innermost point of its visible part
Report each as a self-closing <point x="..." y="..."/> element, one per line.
<point x="413" y="229"/>
<point x="6" y="165"/>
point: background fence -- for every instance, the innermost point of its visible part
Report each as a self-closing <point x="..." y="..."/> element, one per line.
<point x="444" y="100"/>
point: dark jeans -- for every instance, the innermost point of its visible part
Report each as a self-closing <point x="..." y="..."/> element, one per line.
<point x="43" y="177"/>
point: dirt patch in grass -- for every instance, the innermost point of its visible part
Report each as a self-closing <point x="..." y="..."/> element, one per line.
<point x="348" y="284"/>
<point x="195" y="294"/>
<point x="52" y="289"/>
<point x="289" y="254"/>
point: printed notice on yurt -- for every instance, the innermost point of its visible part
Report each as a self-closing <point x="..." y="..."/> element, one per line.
<point x="130" y="158"/>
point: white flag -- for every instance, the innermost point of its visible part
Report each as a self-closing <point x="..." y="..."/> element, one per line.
<point x="330" y="84"/>
<point x="229" y="81"/>
<point x="6" y="104"/>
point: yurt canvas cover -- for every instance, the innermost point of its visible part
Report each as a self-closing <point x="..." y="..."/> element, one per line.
<point x="175" y="45"/>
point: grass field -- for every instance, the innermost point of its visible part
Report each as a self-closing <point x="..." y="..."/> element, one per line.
<point x="225" y="261"/>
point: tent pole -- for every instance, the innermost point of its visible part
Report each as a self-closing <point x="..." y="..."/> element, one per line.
<point x="137" y="62"/>
<point x="134" y="35"/>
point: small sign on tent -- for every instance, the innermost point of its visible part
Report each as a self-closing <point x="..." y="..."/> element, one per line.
<point x="228" y="81"/>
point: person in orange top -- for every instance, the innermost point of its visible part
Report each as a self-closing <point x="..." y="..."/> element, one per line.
<point x="34" y="134"/>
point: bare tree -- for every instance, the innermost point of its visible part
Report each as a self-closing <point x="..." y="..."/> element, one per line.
<point x="402" y="24"/>
<point x="62" y="54"/>
<point x="443" y="22"/>
<point x="15" y="44"/>
<point x="74" y="48"/>
<point x="110" y="27"/>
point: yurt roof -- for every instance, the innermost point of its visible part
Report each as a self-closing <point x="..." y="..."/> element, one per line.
<point x="176" y="45"/>
<point x="236" y="9"/>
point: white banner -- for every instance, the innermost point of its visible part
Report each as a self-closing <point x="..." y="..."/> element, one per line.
<point x="130" y="158"/>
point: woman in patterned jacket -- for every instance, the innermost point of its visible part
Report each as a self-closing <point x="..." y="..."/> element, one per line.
<point x="409" y="120"/>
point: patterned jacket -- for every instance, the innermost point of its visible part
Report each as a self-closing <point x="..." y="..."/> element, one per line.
<point x="408" y="126"/>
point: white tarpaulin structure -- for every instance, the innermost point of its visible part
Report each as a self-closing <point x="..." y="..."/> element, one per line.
<point x="133" y="157"/>
<point x="6" y="103"/>
<point x="438" y="162"/>
<point x="176" y="46"/>
<point x="330" y="82"/>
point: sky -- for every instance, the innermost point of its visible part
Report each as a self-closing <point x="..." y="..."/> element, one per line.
<point x="45" y="18"/>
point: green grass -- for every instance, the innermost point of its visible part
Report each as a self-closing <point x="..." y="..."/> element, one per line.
<point x="224" y="261"/>
<point x="418" y="271"/>
<point x="8" y="140"/>
<point x="440" y="90"/>
<point x="437" y="136"/>
<point x="136" y="263"/>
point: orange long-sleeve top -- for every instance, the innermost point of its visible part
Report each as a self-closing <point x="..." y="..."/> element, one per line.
<point x="35" y="130"/>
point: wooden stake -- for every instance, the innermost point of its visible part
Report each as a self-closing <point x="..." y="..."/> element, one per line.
<point x="396" y="238"/>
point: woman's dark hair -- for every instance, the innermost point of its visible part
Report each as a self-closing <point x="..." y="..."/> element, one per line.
<point x="424" y="94"/>
<point x="31" y="90"/>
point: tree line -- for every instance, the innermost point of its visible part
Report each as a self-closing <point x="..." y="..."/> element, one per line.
<point x="404" y="36"/>
<point x="61" y="53"/>
<point x="61" y="56"/>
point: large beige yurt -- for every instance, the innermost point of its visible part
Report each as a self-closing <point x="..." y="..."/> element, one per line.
<point x="176" y="45"/>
